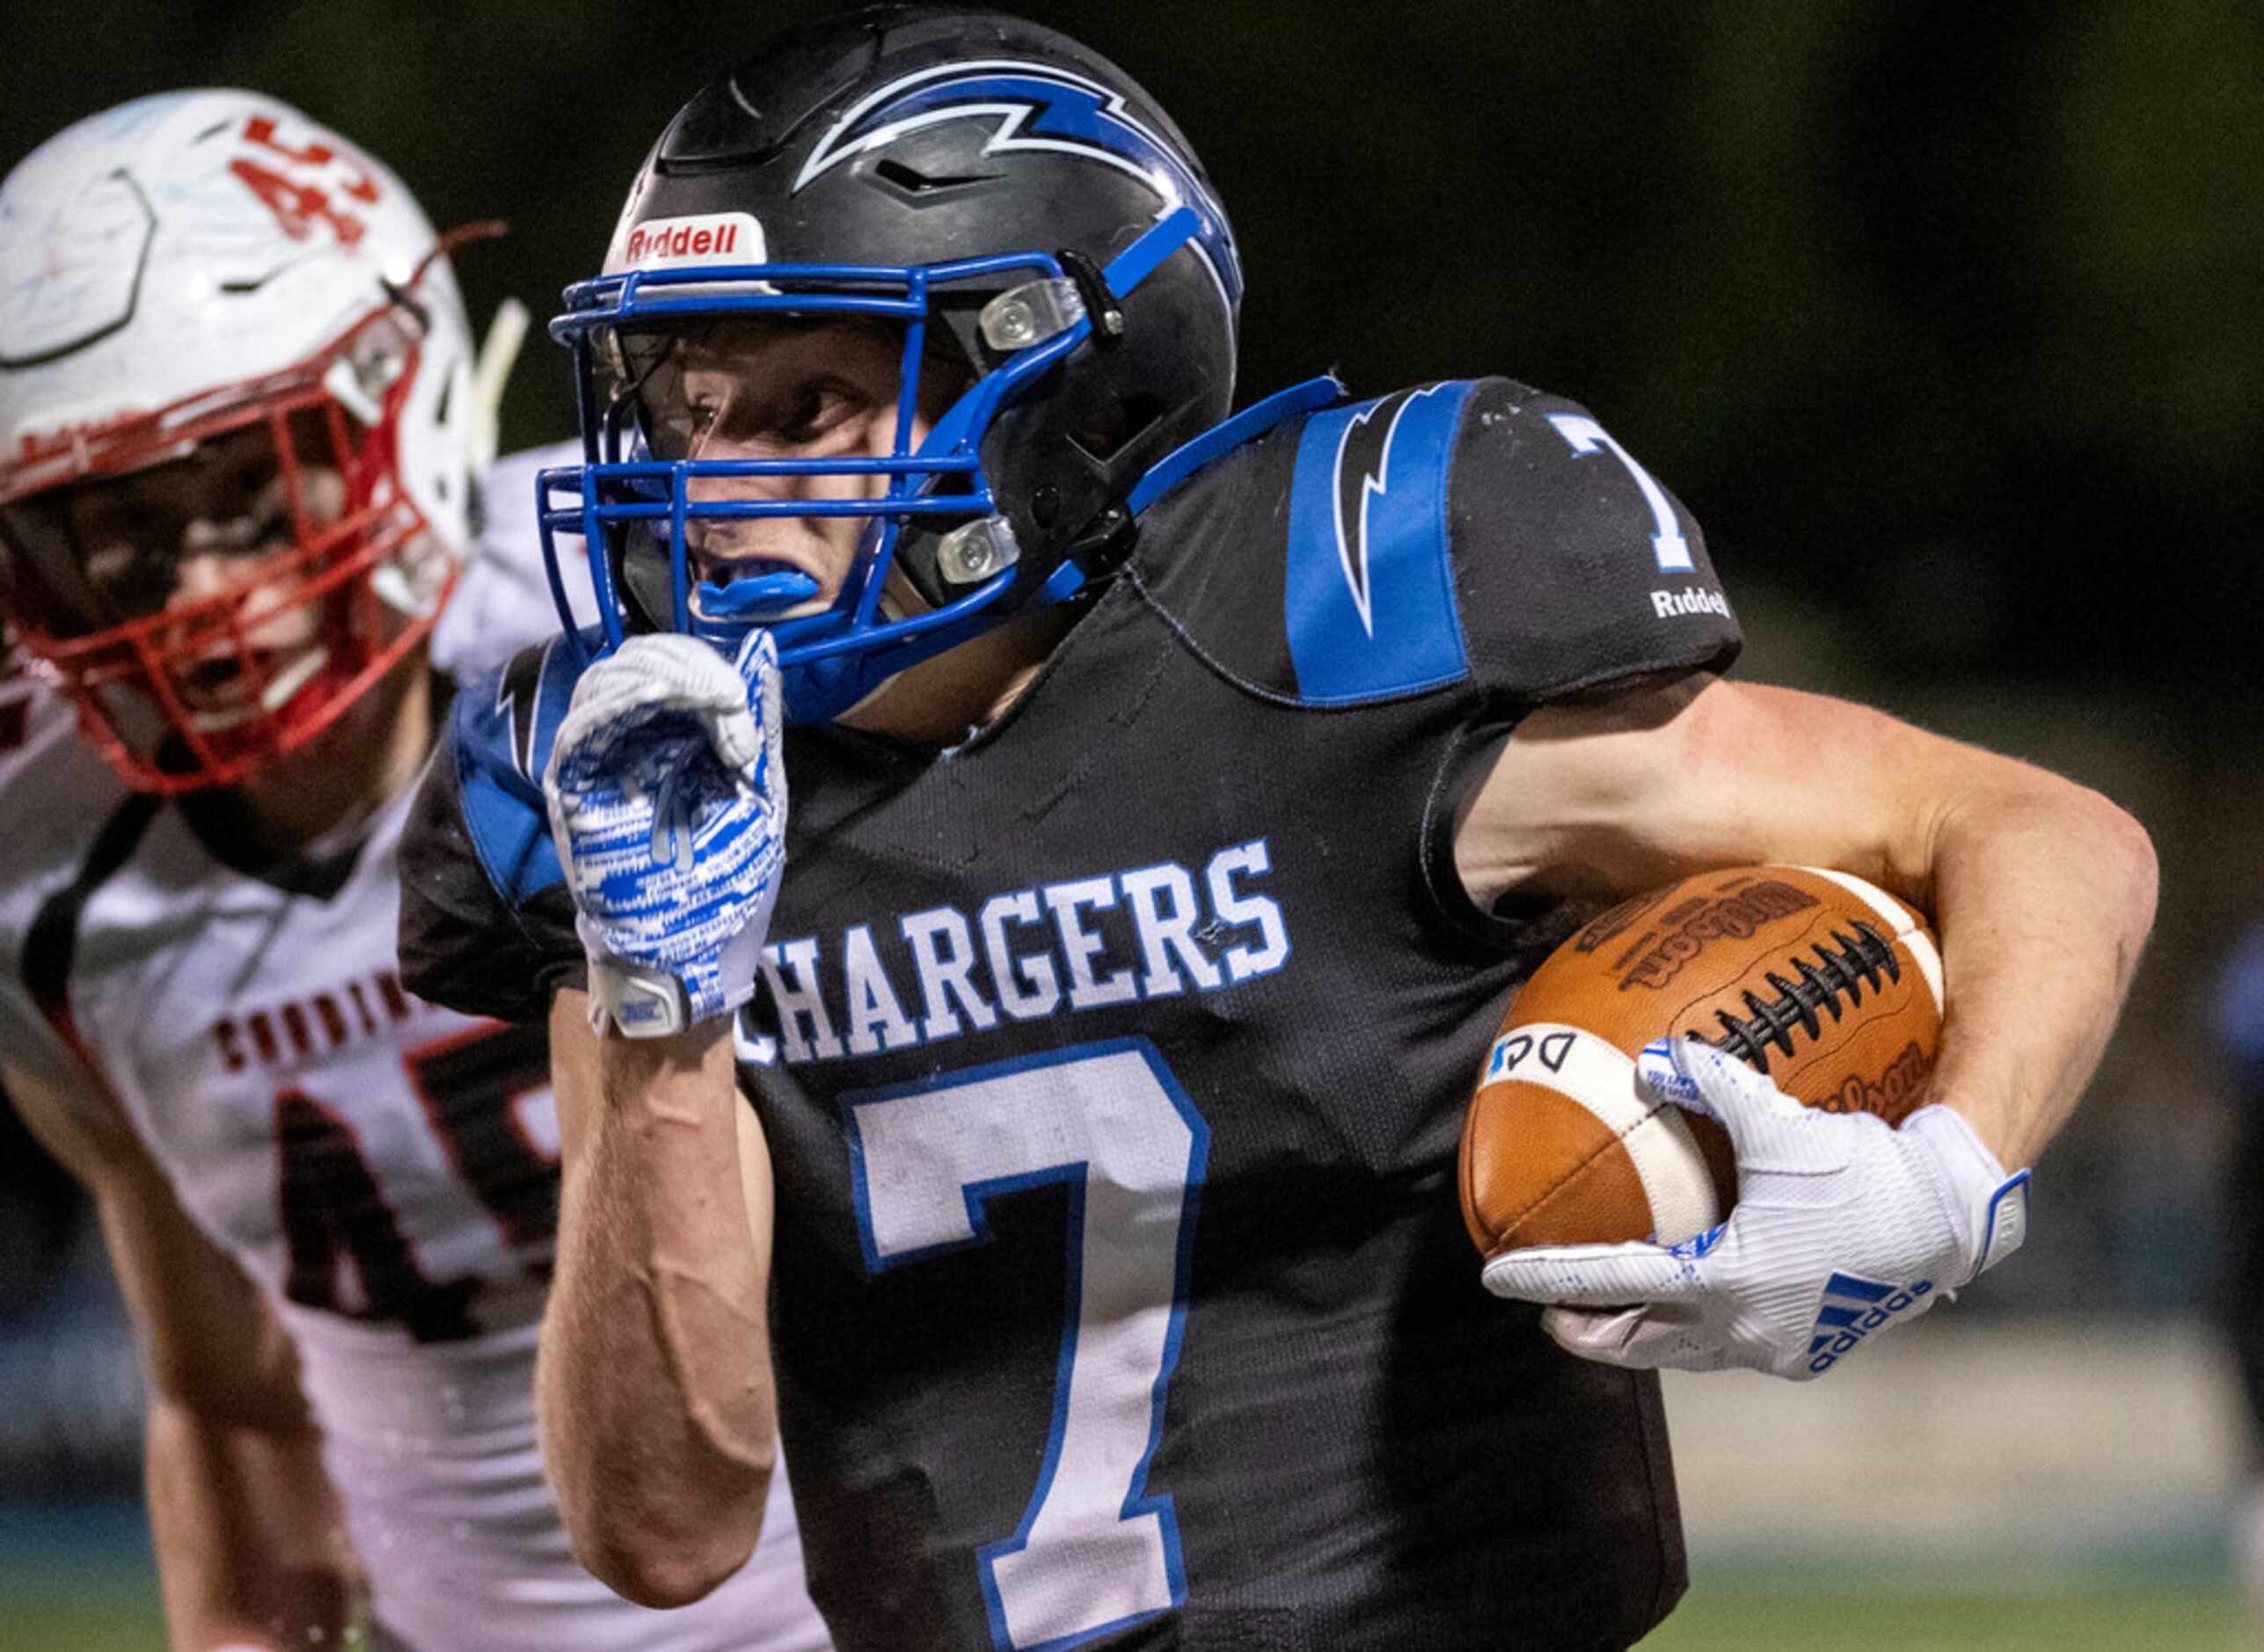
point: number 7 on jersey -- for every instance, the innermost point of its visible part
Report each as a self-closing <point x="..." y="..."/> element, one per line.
<point x="1667" y="544"/>
<point x="1110" y="1122"/>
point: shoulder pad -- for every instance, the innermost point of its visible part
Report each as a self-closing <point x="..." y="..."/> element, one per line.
<point x="1475" y="531"/>
<point x="59" y="804"/>
<point x="487" y="922"/>
<point x="1312" y="565"/>
<point x="55" y="787"/>
<point x="1574" y="567"/>
<point x="1367" y="597"/>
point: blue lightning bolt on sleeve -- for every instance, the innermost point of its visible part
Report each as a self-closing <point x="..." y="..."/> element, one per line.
<point x="1368" y="598"/>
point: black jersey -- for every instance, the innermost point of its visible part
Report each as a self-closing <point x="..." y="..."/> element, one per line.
<point x="1112" y="1065"/>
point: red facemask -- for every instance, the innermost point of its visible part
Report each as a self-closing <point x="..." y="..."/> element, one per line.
<point x="333" y="576"/>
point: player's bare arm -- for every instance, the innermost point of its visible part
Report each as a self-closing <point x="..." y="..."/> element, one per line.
<point x="2043" y="890"/>
<point x="251" y="1541"/>
<point x="665" y="788"/>
<point x="654" y="1382"/>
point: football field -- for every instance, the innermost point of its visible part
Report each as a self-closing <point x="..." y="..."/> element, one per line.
<point x="1734" y="1614"/>
<point x="98" y="1619"/>
<point x="83" y="1586"/>
<point x="78" y="1578"/>
<point x="107" y="1614"/>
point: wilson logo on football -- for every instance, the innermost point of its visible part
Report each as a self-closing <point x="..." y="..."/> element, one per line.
<point x="1890" y="1097"/>
<point x="1695" y="922"/>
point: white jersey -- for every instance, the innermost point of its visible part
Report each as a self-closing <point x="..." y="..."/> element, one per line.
<point x="384" y="1169"/>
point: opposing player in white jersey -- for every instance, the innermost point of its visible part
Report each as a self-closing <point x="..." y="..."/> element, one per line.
<point x="240" y="423"/>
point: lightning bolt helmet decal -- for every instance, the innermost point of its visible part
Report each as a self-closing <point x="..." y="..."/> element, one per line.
<point x="1036" y="107"/>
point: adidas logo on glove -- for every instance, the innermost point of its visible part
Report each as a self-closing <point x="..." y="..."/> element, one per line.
<point x="1840" y="1326"/>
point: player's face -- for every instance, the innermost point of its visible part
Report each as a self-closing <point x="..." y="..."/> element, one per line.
<point x="170" y="538"/>
<point x="782" y="390"/>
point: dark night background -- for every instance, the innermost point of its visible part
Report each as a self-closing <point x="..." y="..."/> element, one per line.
<point x="1946" y="320"/>
<point x="1945" y="314"/>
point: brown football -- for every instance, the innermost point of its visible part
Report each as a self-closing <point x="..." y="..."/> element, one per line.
<point x="1831" y="986"/>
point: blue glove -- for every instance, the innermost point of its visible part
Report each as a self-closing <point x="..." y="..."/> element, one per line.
<point x="1843" y="1227"/>
<point x="667" y="800"/>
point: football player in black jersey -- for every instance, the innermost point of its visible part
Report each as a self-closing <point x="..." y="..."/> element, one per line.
<point x="1175" y="805"/>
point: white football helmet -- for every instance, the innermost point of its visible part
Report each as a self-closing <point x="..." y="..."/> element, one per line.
<point x="211" y="269"/>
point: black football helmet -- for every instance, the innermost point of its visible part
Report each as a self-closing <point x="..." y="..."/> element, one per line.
<point x="1021" y="208"/>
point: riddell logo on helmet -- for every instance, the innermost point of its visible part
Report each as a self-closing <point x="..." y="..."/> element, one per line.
<point x="45" y="444"/>
<point x="43" y="457"/>
<point x="709" y="238"/>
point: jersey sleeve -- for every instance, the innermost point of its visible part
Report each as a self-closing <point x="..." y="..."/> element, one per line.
<point x="60" y="808"/>
<point x="487" y="921"/>
<point x="1574" y="567"/>
<point x="1472" y="534"/>
<point x="28" y="1042"/>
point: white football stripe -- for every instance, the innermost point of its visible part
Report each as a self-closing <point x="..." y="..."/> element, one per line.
<point x="1599" y="1078"/>
<point x="1899" y="919"/>
<point x="1681" y="1188"/>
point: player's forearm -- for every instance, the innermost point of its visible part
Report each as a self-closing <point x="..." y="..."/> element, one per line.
<point x="654" y="1382"/>
<point x="2043" y="893"/>
<point x="251" y="1542"/>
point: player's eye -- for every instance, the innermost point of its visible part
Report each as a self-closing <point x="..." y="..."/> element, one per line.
<point x="245" y="481"/>
<point x="676" y="426"/>
<point x="128" y="577"/>
<point x="804" y="416"/>
<point x="113" y="523"/>
<point x="694" y="419"/>
<point x="817" y="409"/>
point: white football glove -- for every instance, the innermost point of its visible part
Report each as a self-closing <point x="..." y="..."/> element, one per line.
<point x="668" y="801"/>
<point x="1843" y="1227"/>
